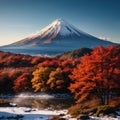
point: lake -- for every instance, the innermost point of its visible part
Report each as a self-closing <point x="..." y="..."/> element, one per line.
<point x="40" y="101"/>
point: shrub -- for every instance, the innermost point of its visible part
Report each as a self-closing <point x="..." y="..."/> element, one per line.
<point x="84" y="108"/>
<point x="90" y="110"/>
<point x="75" y="110"/>
<point x="105" y="109"/>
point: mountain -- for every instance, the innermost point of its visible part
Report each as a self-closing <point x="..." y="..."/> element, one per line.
<point x="75" y="53"/>
<point x="58" y="37"/>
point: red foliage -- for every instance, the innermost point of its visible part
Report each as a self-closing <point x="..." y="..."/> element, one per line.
<point x="97" y="74"/>
<point x="22" y="83"/>
<point x="50" y="63"/>
<point x="17" y="60"/>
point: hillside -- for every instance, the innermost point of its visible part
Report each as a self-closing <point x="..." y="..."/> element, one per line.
<point x="75" y="54"/>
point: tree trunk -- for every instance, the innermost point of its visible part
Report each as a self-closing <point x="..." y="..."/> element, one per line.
<point x="107" y="96"/>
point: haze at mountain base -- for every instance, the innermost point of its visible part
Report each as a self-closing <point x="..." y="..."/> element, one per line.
<point x="58" y="37"/>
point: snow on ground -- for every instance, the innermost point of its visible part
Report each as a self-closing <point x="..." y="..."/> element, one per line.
<point x="29" y="114"/>
<point x="35" y="114"/>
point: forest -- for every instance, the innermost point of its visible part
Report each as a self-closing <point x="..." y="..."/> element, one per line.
<point x="94" y="77"/>
<point x="21" y="73"/>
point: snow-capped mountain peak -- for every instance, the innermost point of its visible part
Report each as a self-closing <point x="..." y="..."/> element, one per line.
<point x="55" y="26"/>
<point x="58" y="37"/>
<point x="59" y="26"/>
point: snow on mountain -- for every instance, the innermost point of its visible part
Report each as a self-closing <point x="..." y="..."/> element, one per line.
<point x="59" y="37"/>
<point x="59" y="26"/>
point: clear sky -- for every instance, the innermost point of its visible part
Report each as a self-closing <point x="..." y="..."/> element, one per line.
<point x="20" y="18"/>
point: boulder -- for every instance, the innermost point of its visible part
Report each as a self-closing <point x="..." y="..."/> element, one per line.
<point x="83" y="117"/>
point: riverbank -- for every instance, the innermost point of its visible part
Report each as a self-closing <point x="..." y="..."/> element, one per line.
<point x="23" y="113"/>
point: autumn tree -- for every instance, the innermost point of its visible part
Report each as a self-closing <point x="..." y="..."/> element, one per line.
<point x="7" y="77"/>
<point x="4" y="81"/>
<point x="54" y="63"/>
<point x="56" y="80"/>
<point x="97" y="75"/>
<point x="22" y="83"/>
<point x="40" y="77"/>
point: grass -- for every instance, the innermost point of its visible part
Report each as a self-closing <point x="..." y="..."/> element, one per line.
<point x="94" y="107"/>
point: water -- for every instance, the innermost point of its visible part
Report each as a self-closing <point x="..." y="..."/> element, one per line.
<point x="36" y="51"/>
<point x="33" y="52"/>
<point x="40" y="101"/>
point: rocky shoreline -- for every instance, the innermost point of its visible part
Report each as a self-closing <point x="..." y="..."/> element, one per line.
<point x="23" y="113"/>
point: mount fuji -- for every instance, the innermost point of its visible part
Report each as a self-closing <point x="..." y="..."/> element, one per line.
<point x="58" y="37"/>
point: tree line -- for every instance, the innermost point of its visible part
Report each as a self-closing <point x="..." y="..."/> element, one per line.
<point x="95" y="75"/>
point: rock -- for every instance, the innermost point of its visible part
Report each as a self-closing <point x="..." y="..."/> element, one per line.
<point x="33" y="110"/>
<point x="50" y="108"/>
<point x="112" y="115"/>
<point x="83" y="117"/>
<point x="13" y="104"/>
<point x="118" y="113"/>
<point x="91" y="113"/>
<point x="101" y="115"/>
<point x="61" y="115"/>
<point x="27" y="110"/>
<point x="41" y="117"/>
<point x="19" y="116"/>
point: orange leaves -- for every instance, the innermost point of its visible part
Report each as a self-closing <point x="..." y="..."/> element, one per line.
<point x="17" y="60"/>
<point x="54" y="79"/>
<point x="22" y="83"/>
<point x="50" y="63"/>
<point x="98" y="73"/>
<point x="46" y="72"/>
<point x="48" y="79"/>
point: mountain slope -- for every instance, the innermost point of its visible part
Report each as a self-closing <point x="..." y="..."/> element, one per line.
<point x="75" y="54"/>
<point x="59" y="37"/>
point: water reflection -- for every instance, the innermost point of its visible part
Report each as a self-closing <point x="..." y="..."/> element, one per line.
<point x="46" y="102"/>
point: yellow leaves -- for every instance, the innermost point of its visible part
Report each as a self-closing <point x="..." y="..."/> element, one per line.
<point x="40" y="78"/>
<point x="50" y="80"/>
<point x="59" y="82"/>
<point x="52" y="85"/>
<point x="47" y="78"/>
<point x="56" y="79"/>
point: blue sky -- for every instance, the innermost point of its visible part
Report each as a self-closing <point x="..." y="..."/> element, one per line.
<point x="20" y="18"/>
